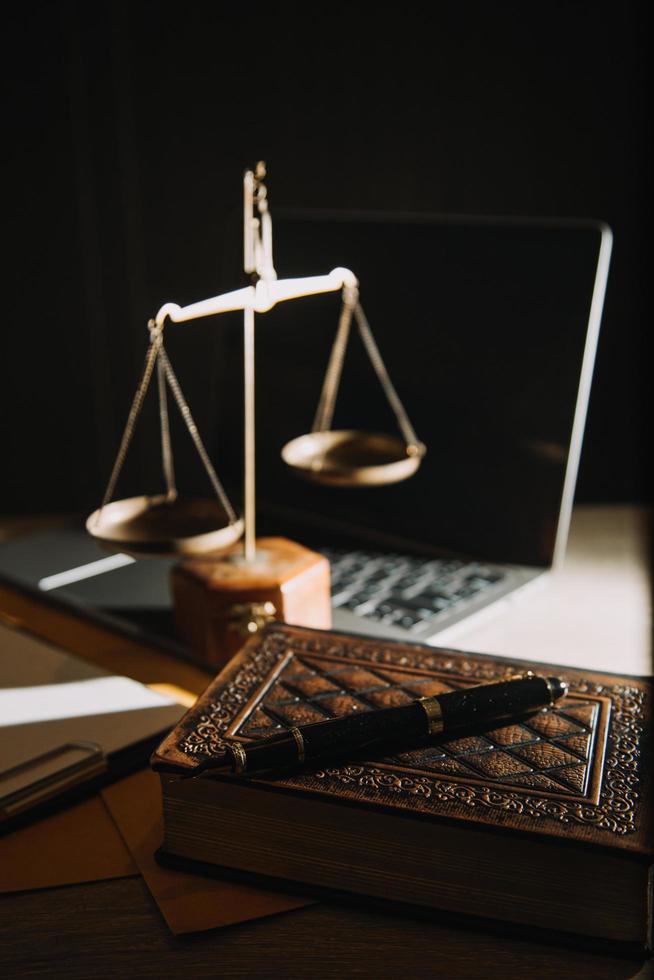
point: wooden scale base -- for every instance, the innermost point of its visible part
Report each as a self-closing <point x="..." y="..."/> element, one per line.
<point x="222" y="599"/>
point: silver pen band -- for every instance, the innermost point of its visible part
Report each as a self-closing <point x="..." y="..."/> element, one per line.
<point x="432" y="709"/>
<point x="240" y="757"/>
<point x="299" y="742"/>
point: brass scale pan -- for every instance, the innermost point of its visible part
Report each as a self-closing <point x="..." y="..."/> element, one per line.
<point x="155" y="525"/>
<point x="165" y="523"/>
<point x="351" y="458"/>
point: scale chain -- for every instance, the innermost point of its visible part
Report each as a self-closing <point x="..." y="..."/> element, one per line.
<point x="325" y="411"/>
<point x="195" y="436"/>
<point x="166" y="445"/>
<point x="135" y="409"/>
<point x="156" y="354"/>
<point x="379" y="367"/>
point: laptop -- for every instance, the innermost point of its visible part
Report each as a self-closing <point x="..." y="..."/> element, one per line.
<point x="488" y="328"/>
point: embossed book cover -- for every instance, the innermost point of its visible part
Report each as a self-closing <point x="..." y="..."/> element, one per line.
<point x="543" y="822"/>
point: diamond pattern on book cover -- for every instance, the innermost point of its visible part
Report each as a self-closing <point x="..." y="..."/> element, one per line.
<point x="550" y="751"/>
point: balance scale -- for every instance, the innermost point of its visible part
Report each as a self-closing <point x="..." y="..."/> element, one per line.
<point x="224" y="590"/>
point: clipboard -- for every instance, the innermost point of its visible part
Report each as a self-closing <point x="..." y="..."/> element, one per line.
<point x="67" y="727"/>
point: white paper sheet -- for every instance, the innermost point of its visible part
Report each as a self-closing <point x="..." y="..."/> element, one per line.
<point x="49" y="698"/>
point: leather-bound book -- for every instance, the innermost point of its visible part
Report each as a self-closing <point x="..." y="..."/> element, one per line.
<point x="543" y="822"/>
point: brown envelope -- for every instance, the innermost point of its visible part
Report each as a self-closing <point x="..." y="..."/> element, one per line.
<point x="78" y="844"/>
<point x="189" y="903"/>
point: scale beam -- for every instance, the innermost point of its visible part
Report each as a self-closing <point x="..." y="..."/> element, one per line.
<point x="259" y="298"/>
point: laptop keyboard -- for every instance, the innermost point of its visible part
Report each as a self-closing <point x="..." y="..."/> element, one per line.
<point x="404" y="590"/>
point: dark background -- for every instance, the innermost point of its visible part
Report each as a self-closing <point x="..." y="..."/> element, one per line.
<point x="127" y="128"/>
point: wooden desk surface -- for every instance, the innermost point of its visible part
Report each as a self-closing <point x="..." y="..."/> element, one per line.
<point x="596" y="611"/>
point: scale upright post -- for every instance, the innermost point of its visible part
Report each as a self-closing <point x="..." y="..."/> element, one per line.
<point x="249" y="463"/>
<point x="258" y="264"/>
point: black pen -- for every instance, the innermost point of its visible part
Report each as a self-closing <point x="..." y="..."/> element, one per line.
<point x="452" y="713"/>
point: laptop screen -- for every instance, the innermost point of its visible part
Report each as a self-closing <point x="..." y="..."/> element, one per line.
<point x="482" y="325"/>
